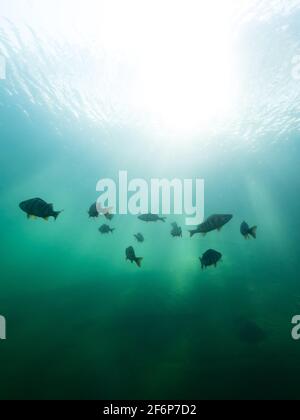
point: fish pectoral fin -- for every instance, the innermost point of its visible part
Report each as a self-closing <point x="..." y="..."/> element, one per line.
<point x="46" y="219"/>
<point x="31" y="216"/>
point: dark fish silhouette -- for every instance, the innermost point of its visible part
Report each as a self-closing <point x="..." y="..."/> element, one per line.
<point x="130" y="256"/>
<point x="247" y="232"/>
<point x="105" y="229"/>
<point x="215" y="222"/>
<point x="151" y="218"/>
<point x="139" y="237"/>
<point x="109" y="216"/>
<point x="176" y="231"/>
<point x="96" y="210"/>
<point x="93" y="212"/>
<point x="39" y="208"/>
<point x="210" y="258"/>
<point x="250" y="333"/>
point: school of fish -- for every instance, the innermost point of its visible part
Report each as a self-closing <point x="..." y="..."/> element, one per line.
<point x="38" y="208"/>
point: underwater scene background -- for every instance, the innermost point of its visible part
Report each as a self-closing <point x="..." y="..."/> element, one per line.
<point x="169" y="90"/>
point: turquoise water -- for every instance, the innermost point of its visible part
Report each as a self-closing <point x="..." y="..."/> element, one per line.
<point x="81" y="322"/>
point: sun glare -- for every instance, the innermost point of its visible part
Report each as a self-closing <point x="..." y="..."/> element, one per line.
<point x="183" y="53"/>
<point x="175" y="58"/>
<point x="186" y="78"/>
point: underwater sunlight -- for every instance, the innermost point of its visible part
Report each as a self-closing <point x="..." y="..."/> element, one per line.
<point x="149" y="155"/>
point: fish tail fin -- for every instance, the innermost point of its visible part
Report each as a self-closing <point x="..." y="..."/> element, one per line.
<point x="112" y="230"/>
<point x="57" y="213"/>
<point x="163" y="219"/>
<point x="192" y="233"/>
<point x="139" y="262"/>
<point x="253" y="232"/>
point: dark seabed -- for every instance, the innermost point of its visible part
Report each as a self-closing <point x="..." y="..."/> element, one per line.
<point x="82" y="323"/>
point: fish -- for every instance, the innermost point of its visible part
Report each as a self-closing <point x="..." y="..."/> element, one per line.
<point x="93" y="212"/>
<point x="38" y="208"/>
<point x="96" y="210"/>
<point x="151" y="218"/>
<point x="105" y="229"/>
<point x="209" y="258"/>
<point x="109" y="216"/>
<point x="176" y="231"/>
<point x="130" y="256"/>
<point x="139" y="237"/>
<point x="247" y="232"/>
<point x="215" y="222"/>
<point x="250" y="332"/>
